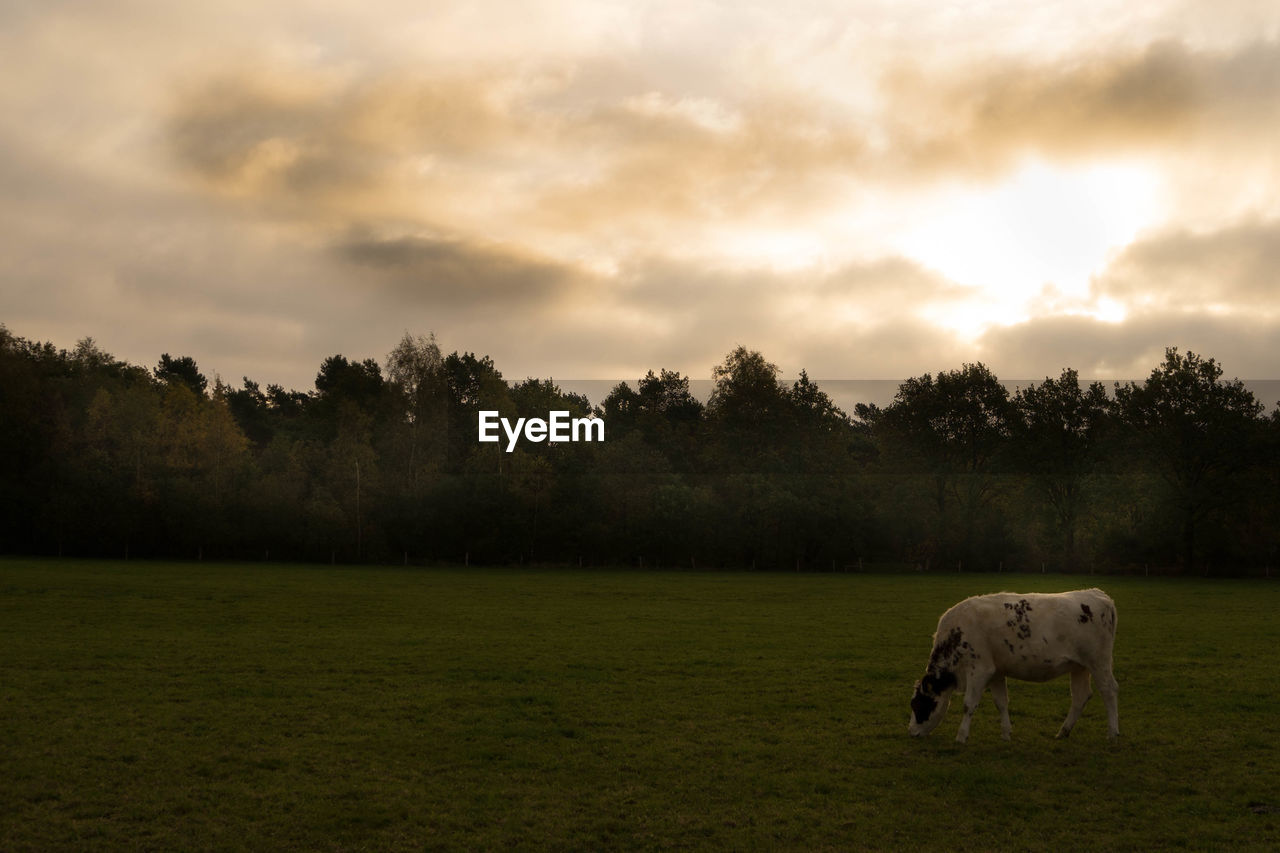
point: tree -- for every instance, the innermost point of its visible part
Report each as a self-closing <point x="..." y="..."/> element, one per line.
<point x="352" y="476"/>
<point x="814" y="408"/>
<point x="953" y="427"/>
<point x="662" y="409"/>
<point x="474" y="384"/>
<point x="204" y="453"/>
<point x="823" y="438"/>
<point x="252" y="411"/>
<point x="534" y="398"/>
<point x="747" y="412"/>
<point x="358" y="382"/>
<point x="746" y="391"/>
<point x="415" y="369"/>
<point x="670" y="417"/>
<point x="621" y="410"/>
<point x="122" y="454"/>
<point x="666" y="395"/>
<point x="1055" y="438"/>
<point x="28" y="430"/>
<point x="182" y="370"/>
<point x="1194" y="429"/>
<point x="415" y="374"/>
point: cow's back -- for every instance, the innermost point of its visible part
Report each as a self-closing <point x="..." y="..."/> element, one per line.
<point x="1032" y="636"/>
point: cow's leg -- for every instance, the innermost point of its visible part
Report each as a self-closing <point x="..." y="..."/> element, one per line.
<point x="1110" y="690"/>
<point x="972" y="693"/>
<point x="1000" y="694"/>
<point x="1080" y="694"/>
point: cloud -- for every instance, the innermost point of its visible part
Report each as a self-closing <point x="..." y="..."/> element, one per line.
<point x="1129" y="350"/>
<point x="549" y="149"/>
<point x="316" y="142"/>
<point x="1162" y="98"/>
<point x="432" y="271"/>
<point x="584" y="153"/>
<point x="1230" y="268"/>
<point x="600" y="189"/>
<point x="860" y="319"/>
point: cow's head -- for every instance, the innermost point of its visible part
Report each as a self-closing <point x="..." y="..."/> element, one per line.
<point x="929" y="704"/>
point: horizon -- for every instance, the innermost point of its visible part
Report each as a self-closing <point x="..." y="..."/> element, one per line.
<point x="845" y="393"/>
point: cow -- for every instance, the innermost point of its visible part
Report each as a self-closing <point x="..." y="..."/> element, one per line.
<point x="1033" y="637"/>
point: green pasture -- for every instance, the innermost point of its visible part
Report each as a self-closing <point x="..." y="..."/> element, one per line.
<point x="172" y="706"/>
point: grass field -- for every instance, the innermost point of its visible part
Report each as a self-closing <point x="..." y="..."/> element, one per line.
<point x="180" y="706"/>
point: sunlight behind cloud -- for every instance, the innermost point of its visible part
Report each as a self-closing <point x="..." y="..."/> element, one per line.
<point x="1043" y="225"/>
<point x="1109" y="311"/>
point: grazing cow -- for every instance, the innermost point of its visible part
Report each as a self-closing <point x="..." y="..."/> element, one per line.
<point x="1033" y="637"/>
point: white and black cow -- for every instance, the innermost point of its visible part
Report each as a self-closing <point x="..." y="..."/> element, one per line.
<point x="1033" y="637"/>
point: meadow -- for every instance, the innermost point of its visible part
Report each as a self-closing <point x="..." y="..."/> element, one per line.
<point x="239" y="706"/>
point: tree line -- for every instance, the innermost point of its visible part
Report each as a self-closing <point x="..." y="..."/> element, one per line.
<point x="380" y="462"/>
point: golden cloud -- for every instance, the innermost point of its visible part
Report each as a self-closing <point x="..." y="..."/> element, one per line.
<point x="542" y="152"/>
<point x="1231" y="268"/>
<point x="1162" y="98"/>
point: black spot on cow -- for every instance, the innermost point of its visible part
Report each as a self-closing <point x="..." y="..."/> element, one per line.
<point x="1010" y="646"/>
<point x="922" y="707"/>
<point x="1021" y="621"/>
<point x="1086" y="615"/>
<point x="947" y="651"/>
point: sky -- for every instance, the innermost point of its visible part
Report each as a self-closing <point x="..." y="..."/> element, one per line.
<point x="591" y="190"/>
